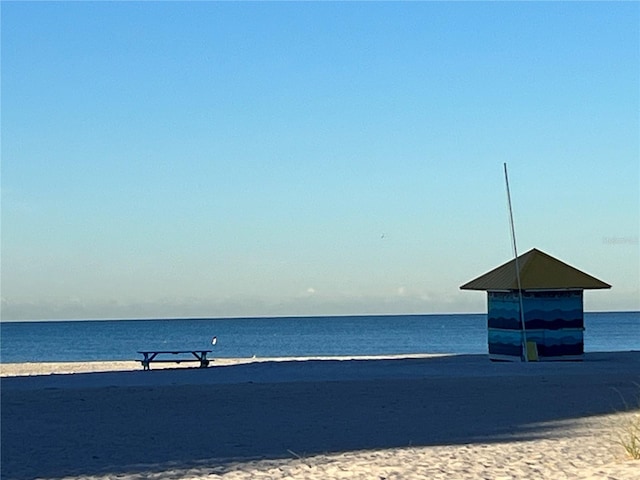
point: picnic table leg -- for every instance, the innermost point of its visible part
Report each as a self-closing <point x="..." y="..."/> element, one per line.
<point x="203" y="359"/>
<point x="147" y="360"/>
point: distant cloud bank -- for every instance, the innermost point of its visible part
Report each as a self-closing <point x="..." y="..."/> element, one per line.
<point x="310" y="304"/>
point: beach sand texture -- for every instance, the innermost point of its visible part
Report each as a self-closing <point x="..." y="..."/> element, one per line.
<point x="440" y="417"/>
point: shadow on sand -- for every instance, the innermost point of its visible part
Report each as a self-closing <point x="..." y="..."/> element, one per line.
<point x="134" y="422"/>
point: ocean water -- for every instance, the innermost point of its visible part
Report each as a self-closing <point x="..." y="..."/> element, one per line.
<point x="58" y="341"/>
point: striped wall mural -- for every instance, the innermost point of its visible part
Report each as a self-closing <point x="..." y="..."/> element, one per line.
<point x="553" y="319"/>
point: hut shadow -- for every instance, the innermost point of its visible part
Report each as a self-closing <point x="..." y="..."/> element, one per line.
<point x="174" y="422"/>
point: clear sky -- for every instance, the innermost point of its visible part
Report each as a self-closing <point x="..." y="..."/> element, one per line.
<point x="239" y="159"/>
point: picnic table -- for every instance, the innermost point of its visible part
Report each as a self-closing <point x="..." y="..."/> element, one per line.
<point x="196" y="356"/>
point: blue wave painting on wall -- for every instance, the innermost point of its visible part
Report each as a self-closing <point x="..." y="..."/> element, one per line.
<point x="554" y="320"/>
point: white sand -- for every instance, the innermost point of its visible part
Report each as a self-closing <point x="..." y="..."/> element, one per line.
<point x="459" y="417"/>
<point x="47" y="368"/>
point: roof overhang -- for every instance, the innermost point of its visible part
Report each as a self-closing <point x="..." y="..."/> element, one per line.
<point x="537" y="271"/>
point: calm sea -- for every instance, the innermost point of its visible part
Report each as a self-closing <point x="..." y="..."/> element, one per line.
<point x="58" y="341"/>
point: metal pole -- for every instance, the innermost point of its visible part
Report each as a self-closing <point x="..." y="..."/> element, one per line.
<point x="515" y="253"/>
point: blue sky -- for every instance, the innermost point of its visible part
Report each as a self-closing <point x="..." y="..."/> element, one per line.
<point x="238" y="159"/>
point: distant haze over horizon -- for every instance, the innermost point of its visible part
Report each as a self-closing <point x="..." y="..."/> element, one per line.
<point x="301" y="317"/>
<point x="239" y="159"/>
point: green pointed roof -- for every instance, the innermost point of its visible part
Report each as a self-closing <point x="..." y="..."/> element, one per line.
<point x="538" y="271"/>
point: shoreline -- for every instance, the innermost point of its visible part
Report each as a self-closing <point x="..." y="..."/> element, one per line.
<point x="437" y="417"/>
<point x="50" y="368"/>
<point x="474" y="363"/>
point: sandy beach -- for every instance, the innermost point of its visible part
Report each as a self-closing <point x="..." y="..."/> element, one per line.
<point x="438" y="417"/>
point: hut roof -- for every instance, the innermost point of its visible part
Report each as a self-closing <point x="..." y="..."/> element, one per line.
<point x="538" y="271"/>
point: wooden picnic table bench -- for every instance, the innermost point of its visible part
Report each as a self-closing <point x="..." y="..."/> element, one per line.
<point x="151" y="356"/>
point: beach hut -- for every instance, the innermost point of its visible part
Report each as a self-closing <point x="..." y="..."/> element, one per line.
<point x="551" y="295"/>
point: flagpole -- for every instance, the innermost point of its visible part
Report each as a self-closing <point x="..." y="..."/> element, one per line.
<point x="515" y="253"/>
